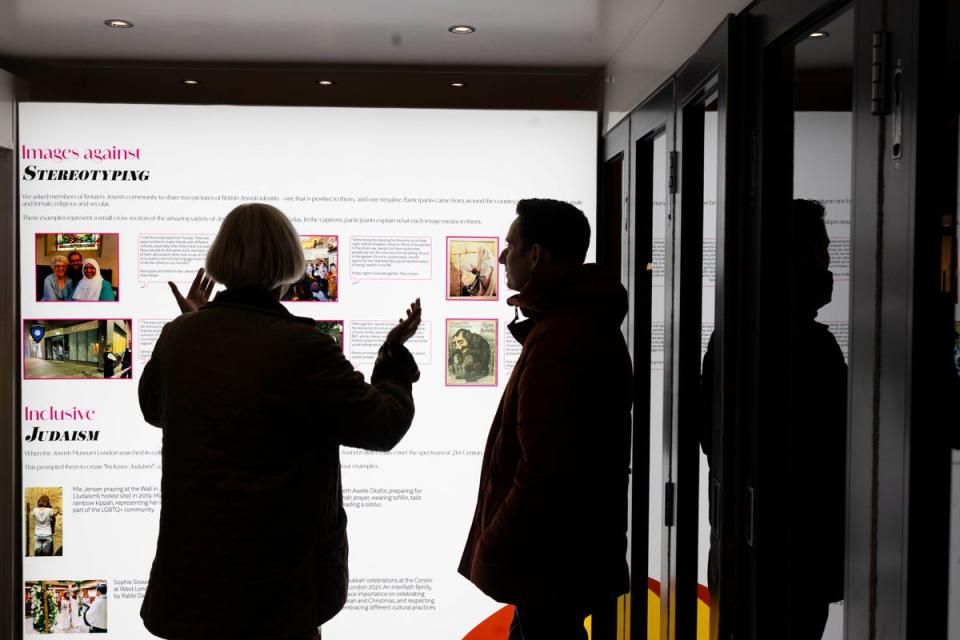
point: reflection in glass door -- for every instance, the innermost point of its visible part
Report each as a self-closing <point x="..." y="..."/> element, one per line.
<point x="820" y="259"/>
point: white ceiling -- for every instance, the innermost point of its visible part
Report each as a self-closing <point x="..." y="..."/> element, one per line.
<point x="509" y="32"/>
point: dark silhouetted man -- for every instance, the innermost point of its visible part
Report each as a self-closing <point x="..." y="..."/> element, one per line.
<point x="549" y="532"/>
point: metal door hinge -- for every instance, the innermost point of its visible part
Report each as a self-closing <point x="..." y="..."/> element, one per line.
<point x="672" y="175"/>
<point x="668" y="492"/>
<point x="896" y="148"/>
<point x="948" y="257"/>
<point x="877" y="88"/>
<point x="626" y="208"/>
<point x="714" y="509"/>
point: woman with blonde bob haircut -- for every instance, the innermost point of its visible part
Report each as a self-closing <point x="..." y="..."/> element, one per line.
<point x="257" y="246"/>
<point x="251" y="480"/>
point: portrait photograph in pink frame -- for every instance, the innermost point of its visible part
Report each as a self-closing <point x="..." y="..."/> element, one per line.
<point x="78" y="349"/>
<point x="320" y="281"/>
<point x="473" y="270"/>
<point x="77" y="267"/>
<point x="333" y="328"/>
<point x="472" y="352"/>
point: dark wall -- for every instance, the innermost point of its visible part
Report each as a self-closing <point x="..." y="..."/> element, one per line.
<point x="365" y="86"/>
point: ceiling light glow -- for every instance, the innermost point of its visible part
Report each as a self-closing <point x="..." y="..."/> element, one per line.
<point x="117" y="23"/>
<point x="191" y="83"/>
<point x="462" y="29"/>
<point x="458" y="85"/>
<point x="818" y="35"/>
<point x="326" y="83"/>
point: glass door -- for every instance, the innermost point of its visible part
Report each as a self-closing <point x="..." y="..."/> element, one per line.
<point x="814" y="144"/>
<point x="702" y="451"/>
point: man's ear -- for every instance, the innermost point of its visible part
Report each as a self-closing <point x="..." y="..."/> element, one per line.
<point x="536" y="255"/>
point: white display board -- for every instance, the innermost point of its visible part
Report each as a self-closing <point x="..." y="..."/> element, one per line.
<point x="397" y="202"/>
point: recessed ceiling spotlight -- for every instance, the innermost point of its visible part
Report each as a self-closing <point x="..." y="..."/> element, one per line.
<point x="818" y="35"/>
<point x="191" y="83"/>
<point x="462" y="29"/>
<point x="326" y="83"/>
<point x="118" y="24"/>
<point x="458" y="85"/>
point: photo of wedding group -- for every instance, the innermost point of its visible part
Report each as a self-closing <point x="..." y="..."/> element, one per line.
<point x="65" y="606"/>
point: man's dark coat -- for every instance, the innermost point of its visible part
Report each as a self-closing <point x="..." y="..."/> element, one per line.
<point x="551" y="517"/>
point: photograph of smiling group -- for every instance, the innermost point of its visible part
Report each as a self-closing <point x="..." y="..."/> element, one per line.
<point x="77" y="267"/>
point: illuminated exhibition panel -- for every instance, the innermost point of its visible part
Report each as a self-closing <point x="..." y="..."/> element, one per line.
<point x="391" y="205"/>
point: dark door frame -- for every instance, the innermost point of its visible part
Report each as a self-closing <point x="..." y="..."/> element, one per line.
<point x="11" y="531"/>
<point x="655" y="117"/>
<point x="917" y="304"/>
<point x="611" y="236"/>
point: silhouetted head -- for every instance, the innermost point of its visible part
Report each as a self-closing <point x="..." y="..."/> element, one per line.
<point x="44" y="501"/>
<point x="256" y="247"/>
<point x="812" y="279"/>
<point x="545" y="232"/>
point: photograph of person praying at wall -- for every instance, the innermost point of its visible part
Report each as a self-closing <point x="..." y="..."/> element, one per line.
<point x="472" y="268"/>
<point x="43" y="507"/>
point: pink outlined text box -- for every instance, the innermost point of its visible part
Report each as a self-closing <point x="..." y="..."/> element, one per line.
<point x="419" y="344"/>
<point x="182" y="275"/>
<point x="380" y="276"/>
<point x="138" y="345"/>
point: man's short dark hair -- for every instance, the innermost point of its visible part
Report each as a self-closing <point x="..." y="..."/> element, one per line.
<point x="558" y="227"/>
<point x="72" y="253"/>
<point x="808" y="223"/>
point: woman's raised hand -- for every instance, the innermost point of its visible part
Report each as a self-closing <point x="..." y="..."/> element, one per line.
<point x="406" y="327"/>
<point x="198" y="295"/>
